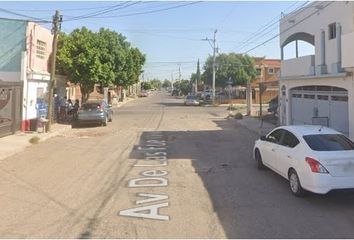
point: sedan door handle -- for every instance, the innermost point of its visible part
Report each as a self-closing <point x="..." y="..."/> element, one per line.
<point x="273" y="150"/>
<point x="290" y="157"/>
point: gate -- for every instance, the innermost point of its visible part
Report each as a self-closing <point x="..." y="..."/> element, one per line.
<point x="10" y="107"/>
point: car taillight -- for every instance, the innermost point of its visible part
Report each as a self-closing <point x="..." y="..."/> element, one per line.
<point x="315" y="166"/>
<point x="99" y="108"/>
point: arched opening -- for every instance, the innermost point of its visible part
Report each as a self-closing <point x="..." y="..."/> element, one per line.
<point x="298" y="45"/>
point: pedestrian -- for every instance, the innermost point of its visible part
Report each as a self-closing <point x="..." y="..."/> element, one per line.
<point x="76" y="108"/>
<point x="62" y="109"/>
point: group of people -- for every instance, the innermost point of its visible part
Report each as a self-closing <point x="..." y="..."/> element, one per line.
<point x="67" y="110"/>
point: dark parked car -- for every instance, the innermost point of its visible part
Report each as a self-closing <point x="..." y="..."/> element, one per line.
<point x="94" y="112"/>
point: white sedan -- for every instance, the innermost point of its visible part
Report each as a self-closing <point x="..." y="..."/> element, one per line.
<point x="313" y="158"/>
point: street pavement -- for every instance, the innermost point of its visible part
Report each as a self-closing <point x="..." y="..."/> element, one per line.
<point x="159" y="170"/>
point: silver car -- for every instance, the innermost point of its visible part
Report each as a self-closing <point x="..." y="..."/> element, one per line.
<point x="94" y="112"/>
<point x="191" y="101"/>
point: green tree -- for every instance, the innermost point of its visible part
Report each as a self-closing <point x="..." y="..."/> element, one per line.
<point x="166" y="83"/>
<point x="183" y="87"/>
<point x="146" y="85"/>
<point x="105" y="58"/>
<point x="156" y="83"/>
<point x="237" y="67"/>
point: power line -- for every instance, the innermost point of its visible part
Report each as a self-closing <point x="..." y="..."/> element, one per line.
<point x="35" y="19"/>
<point x="267" y="26"/>
<point x="104" y="11"/>
<point x="288" y="28"/>
<point x="151" y="11"/>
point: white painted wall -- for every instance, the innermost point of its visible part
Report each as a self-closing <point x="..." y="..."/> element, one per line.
<point x="341" y="12"/>
<point x="302" y="66"/>
<point x="347" y="55"/>
<point x="32" y="97"/>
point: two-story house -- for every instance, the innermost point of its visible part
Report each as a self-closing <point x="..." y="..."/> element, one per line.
<point x="268" y="74"/>
<point x="317" y="53"/>
<point x="25" y="50"/>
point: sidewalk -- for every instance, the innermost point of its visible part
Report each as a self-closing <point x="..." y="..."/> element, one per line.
<point x="18" y="142"/>
<point x="254" y="124"/>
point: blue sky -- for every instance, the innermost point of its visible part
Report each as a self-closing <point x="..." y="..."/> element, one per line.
<point x="172" y="38"/>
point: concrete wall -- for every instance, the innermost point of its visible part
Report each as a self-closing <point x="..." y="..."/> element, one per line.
<point x="12" y="43"/>
<point x="337" y="12"/>
<point x="301" y="66"/>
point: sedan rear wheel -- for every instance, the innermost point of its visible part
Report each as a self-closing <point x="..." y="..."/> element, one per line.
<point x="295" y="185"/>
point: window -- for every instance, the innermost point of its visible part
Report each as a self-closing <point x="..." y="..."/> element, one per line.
<point x="275" y="136"/>
<point x="309" y="96"/>
<point x="339" y="98"/>
<point x="270" y="70"/>
<point x="258" y="71"/>
<point x="322" y="97"/>
<point x="41" y="49"/>
<point x="296" y="95"/>
<point x="289" y="140"/>
<point x="332" y="31"/>
<point x="328" y="142"/>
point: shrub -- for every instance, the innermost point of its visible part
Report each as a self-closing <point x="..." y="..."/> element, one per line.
<point x="238" y="116"/>
<point x="34" y="140"/>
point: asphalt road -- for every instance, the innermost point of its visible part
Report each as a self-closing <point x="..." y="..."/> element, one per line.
<point x="159" y="170"/>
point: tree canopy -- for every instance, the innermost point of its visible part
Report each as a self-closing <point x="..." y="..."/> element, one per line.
<point x="239" y="68"/>
<point x="183" y="87"/>
<point x="104" y="57"/>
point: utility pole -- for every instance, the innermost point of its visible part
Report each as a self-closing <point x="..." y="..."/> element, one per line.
<point x="57" y="19"/>
<point x="172" y="81"/>
<point x="213" y="45"/>
<point x="179" y="72"/>
<point x="214" y="64"/>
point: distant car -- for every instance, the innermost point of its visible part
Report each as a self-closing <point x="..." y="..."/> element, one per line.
<point x="94" y="112"/>
<point x="191" y="101"/>
<point x="144" y="94"/>
<point x="313" y="158"/>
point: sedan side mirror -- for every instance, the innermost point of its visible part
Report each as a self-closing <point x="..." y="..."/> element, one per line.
<point x="263" y="138"/>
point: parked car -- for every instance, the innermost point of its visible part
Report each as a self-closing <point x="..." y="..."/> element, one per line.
<point x="313" y="158"/>
<point x="191" y="100"/>
<point x="144" y="94"/>
<point x="94" y="112"/>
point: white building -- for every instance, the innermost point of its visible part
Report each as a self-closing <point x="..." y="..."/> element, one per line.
<point x="318" y="88"/>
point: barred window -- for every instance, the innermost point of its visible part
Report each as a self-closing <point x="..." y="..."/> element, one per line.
<point x="41" y="49"/>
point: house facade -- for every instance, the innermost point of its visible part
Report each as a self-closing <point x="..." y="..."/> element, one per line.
<point x="25" y="52"/>
<point x="268" y="71"/>
<point x="316" y="80"/>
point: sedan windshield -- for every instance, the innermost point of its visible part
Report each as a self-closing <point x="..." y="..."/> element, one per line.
<point x="329" y="142"/>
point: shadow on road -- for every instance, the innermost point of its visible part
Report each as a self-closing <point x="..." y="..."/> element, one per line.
<point x="252" y="203"/>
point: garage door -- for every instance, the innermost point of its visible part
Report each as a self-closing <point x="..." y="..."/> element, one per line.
<point x="320" y="105"/>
